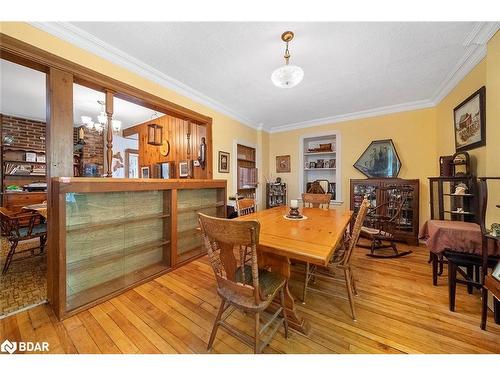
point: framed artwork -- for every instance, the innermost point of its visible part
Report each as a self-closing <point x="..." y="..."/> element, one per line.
<point x="183" y="169"/>
<point x="145" y="172"/>
<point x="131" y="163"/>
<point x="283" y="164"/>
<point x="496" y="272"/>
<point x="380" y="159"/>
<point x="470" y="121"/>
<point x="223" y="162"/>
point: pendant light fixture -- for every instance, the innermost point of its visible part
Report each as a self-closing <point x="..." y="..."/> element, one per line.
<point x="288" y="75"/>
<point x="102" y="120"/>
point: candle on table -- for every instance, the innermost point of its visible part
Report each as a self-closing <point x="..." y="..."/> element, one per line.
<point x="294" y="203"/>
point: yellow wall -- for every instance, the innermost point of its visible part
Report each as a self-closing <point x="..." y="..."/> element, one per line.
<point x="413" y="134"/>
<point x="419" y="136"/>
<point x="444" y="116"/>
<point x="225" y="129"/>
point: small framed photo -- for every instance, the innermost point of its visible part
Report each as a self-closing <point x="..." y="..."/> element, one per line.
<point x="224" y="162"/>
<point x="470" y="121"/>
<point x="144" y="172"/>
<point x="183" y="169"/>
<point x="30" y="156"/>
<point x="283" y="164"/>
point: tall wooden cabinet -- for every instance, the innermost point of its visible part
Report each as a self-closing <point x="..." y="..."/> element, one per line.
<point x="407" y="228"/>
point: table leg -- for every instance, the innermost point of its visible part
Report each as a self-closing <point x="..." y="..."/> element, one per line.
<point x="281" y="265"/>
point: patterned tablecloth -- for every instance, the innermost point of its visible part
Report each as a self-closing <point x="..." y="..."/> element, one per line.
<point x="441" y="235"/>
<point x="41" y="208"/>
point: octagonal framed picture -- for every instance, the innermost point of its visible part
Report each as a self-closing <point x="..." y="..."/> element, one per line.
<point x="380" y="159"/>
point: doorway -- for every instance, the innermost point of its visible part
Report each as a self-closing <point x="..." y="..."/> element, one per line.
<point x="23" y="281"/>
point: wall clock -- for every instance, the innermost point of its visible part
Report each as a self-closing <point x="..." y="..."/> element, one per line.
<point x="165" y="148"/>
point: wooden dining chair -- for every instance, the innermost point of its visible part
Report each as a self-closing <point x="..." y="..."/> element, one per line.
<point x="241" y="286"/>
<point x="246" y="206"/>
<point x="316" y="200"/>
<point x="15" y="233"/>
<point x="341" y="260"/>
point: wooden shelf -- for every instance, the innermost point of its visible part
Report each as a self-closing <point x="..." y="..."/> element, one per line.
<point x="111" y="223"/>
<point x="458" y="195"/>
<point x="197" y="208"/>
<point x="101" y="260"/>
<point x="24" y="162"/>
<point x="248" y="160"/>
<point x="320" y="169"/>
<point x="320" y="153"/>
<point x="28" y="149"/>
<point x="25" y="175"/>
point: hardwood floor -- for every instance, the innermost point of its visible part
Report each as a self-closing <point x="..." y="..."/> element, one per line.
<point x="399" y="311"/>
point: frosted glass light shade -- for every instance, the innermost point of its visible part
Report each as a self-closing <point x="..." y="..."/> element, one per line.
<point x="287" y="76"/>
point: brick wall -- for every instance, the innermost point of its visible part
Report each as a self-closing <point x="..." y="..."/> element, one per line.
<point x="26" y="133"/>
<point x="93" y="150"/>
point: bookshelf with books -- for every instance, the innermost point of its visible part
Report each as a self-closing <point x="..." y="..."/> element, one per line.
<point x="24" y="171"/>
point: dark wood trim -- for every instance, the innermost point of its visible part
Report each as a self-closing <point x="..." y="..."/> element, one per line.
<point x="59" y="148"/>
<point x="26" y="54"/>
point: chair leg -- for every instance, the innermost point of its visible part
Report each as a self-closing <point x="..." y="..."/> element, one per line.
<point x="306" y="281"/>
<point x="347" y="275"/>
<point x="434" y="269"/>
<point x="10" y="255"/>
<point x="484" y="310"/>
<point x="216" y="324"/>
<point x="470" y="277"/>
<point x="354" y="290"/>
<point x="256" y="345"/>
<point x="285" y="319"/>
<point x="452" y="284"/>
<point x="394" y="248"/>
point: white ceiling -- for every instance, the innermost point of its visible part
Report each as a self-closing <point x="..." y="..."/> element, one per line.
<point x="23" y="94"/>
<point x="352" y="69"/>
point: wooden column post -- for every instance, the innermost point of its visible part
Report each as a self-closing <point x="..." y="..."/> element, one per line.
<point x="109" y="133"/>
<point x="59" y="153"/>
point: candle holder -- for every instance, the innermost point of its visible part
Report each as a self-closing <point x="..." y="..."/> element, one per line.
<point x="294" y="213"/>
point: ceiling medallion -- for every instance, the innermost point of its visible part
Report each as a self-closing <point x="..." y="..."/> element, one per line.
<point x="288" y="75"/>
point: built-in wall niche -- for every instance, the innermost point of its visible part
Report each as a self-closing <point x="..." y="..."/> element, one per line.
<point x="320" y="162"/>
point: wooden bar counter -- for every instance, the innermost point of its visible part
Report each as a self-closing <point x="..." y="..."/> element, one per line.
<point x="107" y="235"/>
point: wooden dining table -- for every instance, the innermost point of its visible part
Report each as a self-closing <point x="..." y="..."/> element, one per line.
<point x="313" y="240"/>
<point x="41" y="208"/>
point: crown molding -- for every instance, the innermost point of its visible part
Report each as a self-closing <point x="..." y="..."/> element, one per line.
<point x="90" y="43"/>
<point x="475" y="44"/>
<point x="403" y="107"/>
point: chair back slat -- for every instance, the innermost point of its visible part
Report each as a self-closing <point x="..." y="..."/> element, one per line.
<point x="356" y="231"/>
<point x="245" y="206"/>
<point x="228" y="244"/>
<point x="316" y="200"/>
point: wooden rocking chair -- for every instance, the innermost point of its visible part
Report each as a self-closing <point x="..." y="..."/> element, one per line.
<point x="384" y="219"/>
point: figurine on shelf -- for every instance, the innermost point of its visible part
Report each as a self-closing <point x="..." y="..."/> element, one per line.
<point x="461" y="189"/>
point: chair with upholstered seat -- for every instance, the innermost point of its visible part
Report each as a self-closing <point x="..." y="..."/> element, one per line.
<point x="341" y="260"/>
<point x="241" y="286"/>
<point x="15" y="233"/>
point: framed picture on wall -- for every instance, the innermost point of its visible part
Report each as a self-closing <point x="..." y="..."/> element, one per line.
<point x="224" y="162"/>
<point x="131" y="163"/>
<point x="145" y="172"/>
<point x="470" y="121"/>
<point x="380" y="159"/>
<point x="283" y="164"/>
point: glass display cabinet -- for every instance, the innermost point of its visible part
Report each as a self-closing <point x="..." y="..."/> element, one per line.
<point x="376" y="190"/>
<point x="109" y="235"/>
